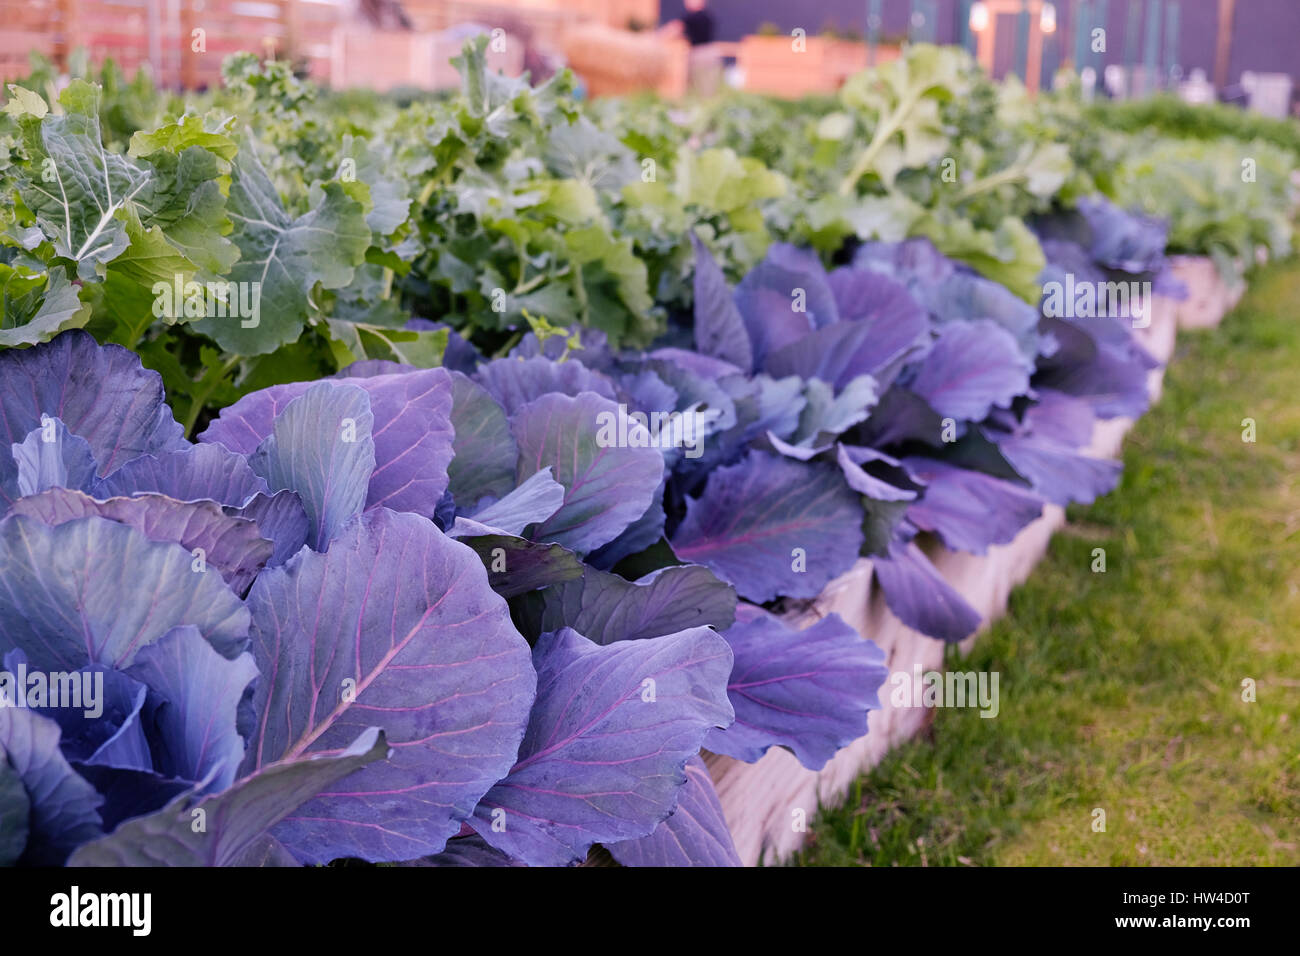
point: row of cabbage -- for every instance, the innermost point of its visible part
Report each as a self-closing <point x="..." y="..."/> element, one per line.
<point x="462" y="548"/>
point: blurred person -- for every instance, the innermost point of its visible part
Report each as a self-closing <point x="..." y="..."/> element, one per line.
<point x="697" y="27"/>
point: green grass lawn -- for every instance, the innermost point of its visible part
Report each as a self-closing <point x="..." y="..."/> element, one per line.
<point x="1123" y="690"/>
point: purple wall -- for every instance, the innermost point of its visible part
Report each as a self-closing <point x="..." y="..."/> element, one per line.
<point x="735" y="18"/>
<point x="1266" y="38"/>
<point x="1266" y="33"/>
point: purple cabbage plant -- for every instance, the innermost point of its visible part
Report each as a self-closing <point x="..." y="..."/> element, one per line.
<point x="378" y="617"/>
<point x="889" y="406"/>
<point x="491" y="613"/>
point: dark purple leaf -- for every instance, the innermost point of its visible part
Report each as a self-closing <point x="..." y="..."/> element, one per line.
<point x="885" y="327"/>
<point x="783" y="298"/>
<point x="102" y="393"/>
<point x="484" y="450"/>
<point x="1127" y="241"/>
<point x="233" y="546"/>
<point x="467" y="851"/>
<point x="53" y="459"/>
<point x="15" y="810"/>
<point x="1061" y="418"/>
<point x="130" y="793"/>
<point x="970" y="510"/>
<point x="1111" y="378"/>
<point x="901" y="415"/>
<point x="608" y="608"/>
<point x="606" y="487"/>
<point x="719" y="330"/>
<point x="95" y="591"/>
<point x="695" y="835"/>
<point x="772" y="527"/>
<point x="321" y="447"/>
<point x="64" y="808"/>
<point x="395" y="626"/>
<point x="1059" y="473"/>
<point x="808" y="691"/>
<point x="515" y="383"/>
<point x="516" y="565"/>
<point x="110" y="733"/>
<point x="608" y="739"/>
<point x="281" y="519"/>
<point x="192" y="473"/>
<point x="1046" y="450"/>
<point x="8" y="479"/>
<point x="236" y="819"/>
<point x="194" y="694"/>
<point x="636" y="537"/>
<point x="100" y="726"/>
<point x="920" y="597"/>
<point x="972" y="367"/>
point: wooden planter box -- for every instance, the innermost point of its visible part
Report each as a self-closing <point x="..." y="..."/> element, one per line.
<point x="616" y="62"/>
<point x="761" y="800"/>
<point x="384" y="60"/>
<point x="771" y="64"/>
<point x="1209" y="298"/>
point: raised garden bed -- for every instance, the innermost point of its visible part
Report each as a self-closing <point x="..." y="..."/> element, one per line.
<point x="572" y="404"/>
<point x="1209" y="296"/>
<point x="764" y="801"/>
<point x="772" y="64"/>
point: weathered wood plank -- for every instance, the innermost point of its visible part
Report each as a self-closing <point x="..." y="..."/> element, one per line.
<point x="1209" y="298"/>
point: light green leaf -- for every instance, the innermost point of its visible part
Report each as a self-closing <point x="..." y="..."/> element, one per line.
<point x="82" y="194"/>
<point x="571" y="201"/>
<point x="353" y="341"/>
<point x="1010" y="254"/>
<point x="386" y="202"/>
<point x="23" y="102"/>
<point x="35" y="308"/>
<point x="283" y="258"/>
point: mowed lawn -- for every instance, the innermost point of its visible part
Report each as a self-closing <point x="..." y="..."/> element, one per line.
<point x="1123" y="690"/>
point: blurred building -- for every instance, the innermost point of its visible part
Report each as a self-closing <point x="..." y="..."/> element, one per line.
<point x="1232" y="49"/>
<point x="1158" y="41"/>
